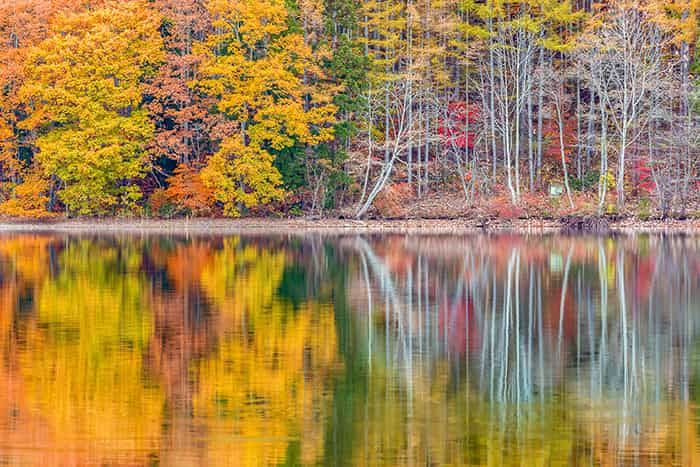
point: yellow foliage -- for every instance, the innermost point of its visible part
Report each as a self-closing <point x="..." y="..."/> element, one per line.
<point x="256" y="66"/>
<point x="85" y="81"/>
<point x="242" y="176"/>
<point x="29" y="199"/>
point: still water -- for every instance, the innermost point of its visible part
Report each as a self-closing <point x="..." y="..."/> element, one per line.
<point x="349" y="350"/>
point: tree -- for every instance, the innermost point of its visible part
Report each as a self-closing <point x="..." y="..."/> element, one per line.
<point x="184" y="126"/>
<point x="30" y="198"/>
<point x="256" y="67"/>
<point x="242" y="176"/>
<point x="84" y="83"/>
<point x="23" y="23"/>
<point x="623" y="57"/>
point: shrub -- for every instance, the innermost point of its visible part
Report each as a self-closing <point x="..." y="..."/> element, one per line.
<point x="187" y="191"/>
<point x="392" y="202"/>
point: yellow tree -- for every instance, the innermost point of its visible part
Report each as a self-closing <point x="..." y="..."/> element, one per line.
<point x="84" y="85"/>
<point x="256" y="65"/>
<point x="23" y="24"/>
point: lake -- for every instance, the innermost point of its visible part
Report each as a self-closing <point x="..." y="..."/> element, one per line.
<point x="349" y="350"/>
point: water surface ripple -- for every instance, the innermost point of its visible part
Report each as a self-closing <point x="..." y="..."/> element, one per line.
<point x="349" y="350"/>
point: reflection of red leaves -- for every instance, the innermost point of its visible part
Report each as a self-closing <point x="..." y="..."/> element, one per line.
<point x="456" y="320"/>
<point x="643" y="272"/>
<point x="397" y="259"/>
<point x="552" y="313"/>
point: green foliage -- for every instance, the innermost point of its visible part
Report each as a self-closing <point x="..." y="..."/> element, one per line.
<point x="350" y="66"/>
<point x="587" y="183"/>
<point x="291" y="164"/>
<point x="644" y="209"/>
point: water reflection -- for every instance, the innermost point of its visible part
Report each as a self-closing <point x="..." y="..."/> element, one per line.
<point x="392" y="350"/>
<point x="562" y="350"/>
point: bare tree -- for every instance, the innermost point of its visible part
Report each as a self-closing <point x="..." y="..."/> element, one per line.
<point x="624" y="61"/>
<point x="399" y="135"/>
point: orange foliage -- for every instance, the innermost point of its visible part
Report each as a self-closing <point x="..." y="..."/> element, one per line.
<point x="392" y="201"/>
<point x="159" y="201"/>
<point x="187" y="191"/>
<point x="551" y="132"/>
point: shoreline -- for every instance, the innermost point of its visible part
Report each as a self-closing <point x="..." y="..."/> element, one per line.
<point x="336" y="226"/>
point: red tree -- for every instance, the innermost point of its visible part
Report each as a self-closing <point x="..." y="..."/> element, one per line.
<point x="453" y="128"/>
<point x="184" y="126"/>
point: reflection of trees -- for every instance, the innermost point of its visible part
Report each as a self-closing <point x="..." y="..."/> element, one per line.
<point x="84" y="379"/>
<point x="23" y="263"/>
<point x="184" y="329"/>
<point x="120" y="351"/>
<point x="464" y="350"/>
<point x="265" y="385"/>
<point x="604" y="328"/>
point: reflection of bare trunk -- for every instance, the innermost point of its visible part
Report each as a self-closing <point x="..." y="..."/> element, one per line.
<point x="525" y="348"/>
<point x="562" y="300"/>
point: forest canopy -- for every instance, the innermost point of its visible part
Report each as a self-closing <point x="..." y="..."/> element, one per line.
<point x="394" y="108"/>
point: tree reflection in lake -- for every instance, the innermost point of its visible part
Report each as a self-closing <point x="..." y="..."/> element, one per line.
<point x="393" y="350"/>
<point x="560" y="349"/>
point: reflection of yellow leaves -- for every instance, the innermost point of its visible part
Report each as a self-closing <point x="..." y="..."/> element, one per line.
<point x="265" y="385"/>
<point x="665" y="433"/>
<point x="28" y="254"/>
<point x="241" y="278"/>
<point x="83" y="364"/>
<point x="268" y="389"/>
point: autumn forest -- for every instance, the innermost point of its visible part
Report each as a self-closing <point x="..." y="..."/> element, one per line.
<point x="389" y="108"/>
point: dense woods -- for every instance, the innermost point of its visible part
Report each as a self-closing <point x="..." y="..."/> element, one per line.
<point x="382" y="107"/>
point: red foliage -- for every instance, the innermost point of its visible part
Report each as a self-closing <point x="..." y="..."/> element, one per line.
<point x="642" y="178"/>
<point x="453" y="128"/>
<point x="551" y="133"/>
<point x="501" y="207"/>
